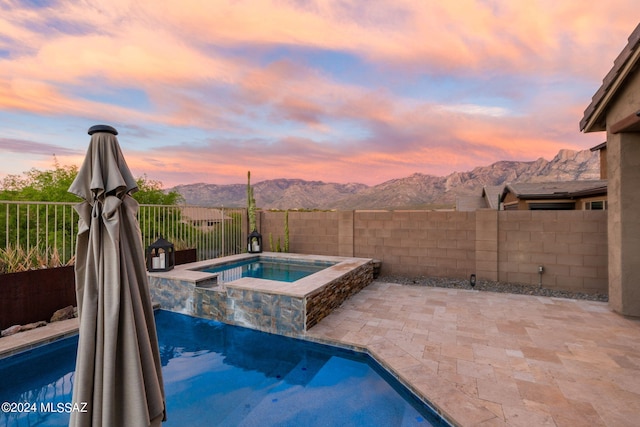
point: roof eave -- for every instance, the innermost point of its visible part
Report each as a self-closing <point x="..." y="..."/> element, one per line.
<point x="543" y="196"/>
<point x="594" y="119"/>
<point x="596" y="122"/>
<point x="599" y="191"/>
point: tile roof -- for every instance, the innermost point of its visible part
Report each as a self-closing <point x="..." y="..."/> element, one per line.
<point x="470" y="203"/>
<point x="489" y="199"/>
<point x="195" y="213"/>
<point x="492" y="194"/>
<point x="557" y="189"/>
<point x="623" y="65"/>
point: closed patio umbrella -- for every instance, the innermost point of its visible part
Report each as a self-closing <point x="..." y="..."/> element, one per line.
<point x="118" y="371"/>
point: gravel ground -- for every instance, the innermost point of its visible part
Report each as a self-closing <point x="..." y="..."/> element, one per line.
<point x="490" y="286"/>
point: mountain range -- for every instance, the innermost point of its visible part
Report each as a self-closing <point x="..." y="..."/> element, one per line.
<point x="418" y="191"/>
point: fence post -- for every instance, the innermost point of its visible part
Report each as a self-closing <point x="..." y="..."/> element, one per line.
<point x="487" y="244"/>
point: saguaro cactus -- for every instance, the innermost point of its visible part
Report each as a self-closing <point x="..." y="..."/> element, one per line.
<point x="251" y="204"/>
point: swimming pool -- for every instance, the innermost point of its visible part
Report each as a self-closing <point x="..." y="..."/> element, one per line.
<point x="282" y="270"/>
<point x="222" y="375"/>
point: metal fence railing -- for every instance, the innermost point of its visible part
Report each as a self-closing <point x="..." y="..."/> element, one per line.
<point x="37" y="232"/>
<point x="48" y="230"/>
<point x="214" y="232"/>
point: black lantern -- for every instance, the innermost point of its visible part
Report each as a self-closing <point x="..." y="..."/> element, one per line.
<point x="472" y="280"/>
<point x="254" y="242"/>
<point x="161" y="256"/>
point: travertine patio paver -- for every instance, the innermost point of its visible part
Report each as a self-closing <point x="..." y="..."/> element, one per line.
<point x="488" y="359"/>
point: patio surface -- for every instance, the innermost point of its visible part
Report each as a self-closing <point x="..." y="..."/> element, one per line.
<point x="493" y="359"/>
<point x="482" y="358"/>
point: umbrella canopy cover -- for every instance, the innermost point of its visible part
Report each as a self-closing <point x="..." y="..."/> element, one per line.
<point x="118" y="378"/>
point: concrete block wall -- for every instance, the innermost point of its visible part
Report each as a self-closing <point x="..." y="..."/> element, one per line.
<point x="309" y="232"/>
<point x="417" y="243"/>
<point x="506" y="246"/>
<point x="571" y="246"/>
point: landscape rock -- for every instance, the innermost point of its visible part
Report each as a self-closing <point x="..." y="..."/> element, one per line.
<point x="34" y="325"/>
<point x="68" y="312"/>
<point x="11" y="330"/>
<point x="493" y="286"/>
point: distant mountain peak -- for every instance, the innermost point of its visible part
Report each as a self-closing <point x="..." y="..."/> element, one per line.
<point x="416" y="191"/>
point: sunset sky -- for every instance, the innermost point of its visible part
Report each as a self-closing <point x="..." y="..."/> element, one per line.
<point x="337" y="91"/>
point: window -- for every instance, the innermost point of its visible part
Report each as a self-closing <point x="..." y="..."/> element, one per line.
<point x="596" y="205"/>
<point x="552" y="206"/>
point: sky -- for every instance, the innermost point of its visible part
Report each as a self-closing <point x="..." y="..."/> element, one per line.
<point x="337" y="91"/>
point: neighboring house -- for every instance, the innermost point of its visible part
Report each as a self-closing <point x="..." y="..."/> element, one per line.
<point x="203" y="218"/>
<point x="492" y="195"/>
<point x="489" y="199"/>
<point x="560" y="195"/>
<point x="569" y="195"/>
<point x="470" y="203"/>
<point x="602" y="148"/>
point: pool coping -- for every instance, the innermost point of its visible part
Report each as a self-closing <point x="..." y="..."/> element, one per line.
<point x="387" y="367"/>
<point x="28" y="340"/>
<point x="300" y="288"/>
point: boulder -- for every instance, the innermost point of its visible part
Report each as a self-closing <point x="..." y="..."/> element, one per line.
<point x="11" y="330"/>
<point x="33" y="325"/>
<point x="64" y="314"/>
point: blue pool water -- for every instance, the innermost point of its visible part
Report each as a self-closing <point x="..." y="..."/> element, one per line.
<point x="221" y="375"/>
<point x="265" y="268"/>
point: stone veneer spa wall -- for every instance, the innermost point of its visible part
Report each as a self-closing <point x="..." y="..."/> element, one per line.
<point x="267" y="305"/>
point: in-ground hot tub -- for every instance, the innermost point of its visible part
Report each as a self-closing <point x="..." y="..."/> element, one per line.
<point x="269" y="268"/>
<point x="273" y="305"/>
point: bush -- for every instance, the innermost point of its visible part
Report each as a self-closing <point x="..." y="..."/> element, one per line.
<point x="13" y="260"/>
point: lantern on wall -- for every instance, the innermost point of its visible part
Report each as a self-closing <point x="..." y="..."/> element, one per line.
<point x="254" y="242"/>
<point x="161" y="255"/>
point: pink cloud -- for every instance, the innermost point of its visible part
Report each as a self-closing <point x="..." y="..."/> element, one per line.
<point x="141" y="39"/>
<point x="201" y="66"/>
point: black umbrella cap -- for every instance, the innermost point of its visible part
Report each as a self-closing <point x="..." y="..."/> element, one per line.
<point x="102" y="128"/>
